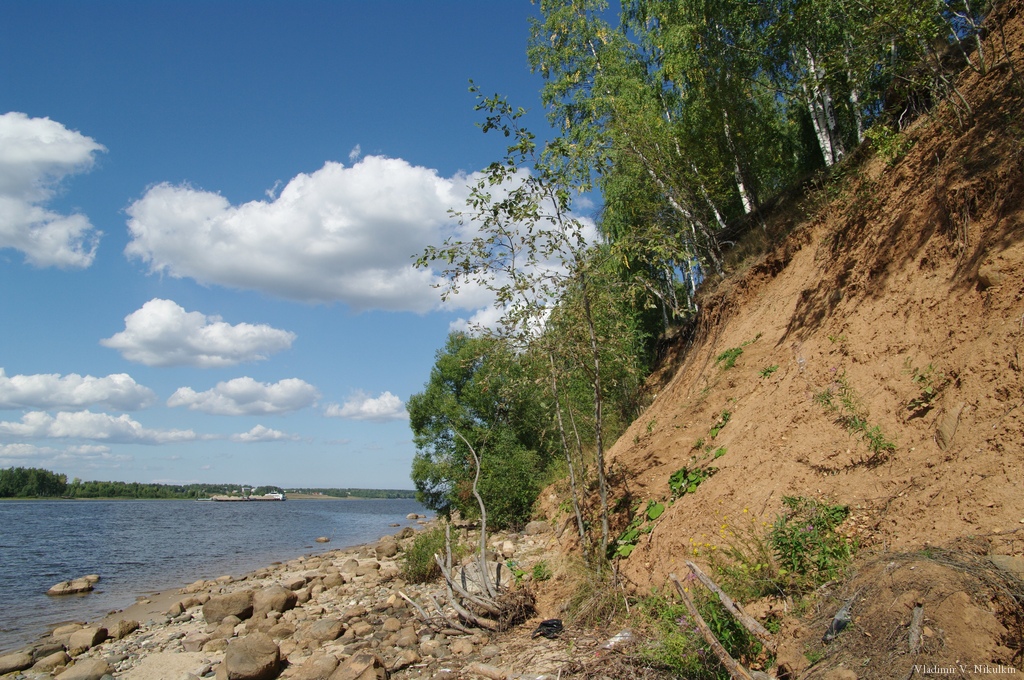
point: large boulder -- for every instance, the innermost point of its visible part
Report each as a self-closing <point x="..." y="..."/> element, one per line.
<point x="73" y="587"/>
<point x="387" y="547"/>
<point x="87" y="669"/>
<point x="275" y="598"/>
<point x="51" y="662"/>
<point x="85" y="639"/>
<point x="123" y="628"/>
<point x="17" y="661"/>
<point x="321" y="630"/>
<point x="237" y="604"/>
<point x="253" y="657"/>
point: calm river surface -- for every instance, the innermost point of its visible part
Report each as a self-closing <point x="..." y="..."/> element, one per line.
<point x="140" y="547"/>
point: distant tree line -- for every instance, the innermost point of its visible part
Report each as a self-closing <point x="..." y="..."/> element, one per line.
<point x="20" y="482"/>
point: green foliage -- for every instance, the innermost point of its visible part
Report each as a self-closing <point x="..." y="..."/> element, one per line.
<point x="890" y="144"/>
<point x="768" y="371"/>
<point x="805" y="541"/>
<point x="728" y="357"/>
<point x="840" y="399"/>
<point x="929" y="382"/>
<point x="541" y="571"/>
<point x="20" y="482"/>
<point x="722" y="421"/>
<point x="686" y="480"/>
<point x="640" y="525"/>
<point x="417" y="563"/>
<point x="477" y="393"/>
<point x="680" y="647"/>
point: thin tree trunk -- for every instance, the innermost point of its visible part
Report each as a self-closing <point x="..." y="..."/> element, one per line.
<point x="484" y="576"/>
<point x="602" y="480"/>
<point x="747" y="196"/>
<point x="568" y="454"/>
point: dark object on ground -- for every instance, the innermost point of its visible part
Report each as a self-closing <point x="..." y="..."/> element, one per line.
<point x="550" y="629"/>
<point x="840" y="621"/>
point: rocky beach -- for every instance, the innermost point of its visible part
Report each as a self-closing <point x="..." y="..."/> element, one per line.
<point x="339" y="615"/>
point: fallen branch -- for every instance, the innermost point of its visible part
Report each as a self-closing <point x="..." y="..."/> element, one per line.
<point x="735" y="669"/>
<point x="747" y="621"/>
<point x="915" y="629"/>
<point x="487" y="605"/>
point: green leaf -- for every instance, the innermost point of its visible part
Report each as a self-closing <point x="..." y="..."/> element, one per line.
<point x="654" y="512"/>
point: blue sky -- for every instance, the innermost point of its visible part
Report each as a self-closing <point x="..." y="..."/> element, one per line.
<point x="208" y="212"/>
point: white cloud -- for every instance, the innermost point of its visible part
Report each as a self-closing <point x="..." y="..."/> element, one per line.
<point x="162" y="333"/>
<point x="35" y="155"/>
<point x="90" y="426"/>
<point x="338" y="234"/>
<point x="48" y="457"/>
<point x="51" y="391"/>
<point x="245" y="396"/>
<point x="355" y="153"/>
<point x="362" y="406"/>
<point x="263" y="434"/>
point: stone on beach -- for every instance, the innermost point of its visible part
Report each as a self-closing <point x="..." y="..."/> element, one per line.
<point x="361" y="666"/>
<point x="15" y="662"/>
<point x="233" y="604"/>
<point x="87" y="669"/>
<point x="321" y="630"/>
<point x="50" y="662"/>
<point x="319" y="666"/>
<point x="253" y="657"/>
<point x="85" y="639"/>
<point x="275" y="598"/>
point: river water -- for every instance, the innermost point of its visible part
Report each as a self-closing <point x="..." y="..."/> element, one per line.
<point x="140" y="547"/>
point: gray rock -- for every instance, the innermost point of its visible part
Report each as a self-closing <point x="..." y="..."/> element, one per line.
<point x="534" y="528"/>
<point x="87" y="669"/>
<point x="15" y="662"/>
<point x="407" y="532"/>
<point x="194" y="642"/>
<point x="253" y="657"/>
<point x="349" y="566"/>
<point x="237" y="604"/>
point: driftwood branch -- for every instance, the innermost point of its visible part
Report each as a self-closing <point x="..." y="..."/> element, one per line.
<point x="735" y="669"/>
<point x="915" y="629"/>
<point x="484" y="604"/>
<point x="747" y="621"/>
<point x="423" y="615"/>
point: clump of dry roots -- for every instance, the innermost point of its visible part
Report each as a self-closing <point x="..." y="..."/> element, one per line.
<point x="476" y="597"/>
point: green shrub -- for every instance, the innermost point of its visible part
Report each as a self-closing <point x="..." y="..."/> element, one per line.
<point x="806" y="543"/>
<point x="541" y="571"/>
<point x="679" y="646"/>
<point x="417" y="563"/>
